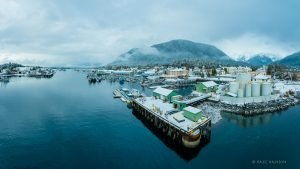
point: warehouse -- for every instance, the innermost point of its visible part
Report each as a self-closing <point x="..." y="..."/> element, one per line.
<point x="164" y="94"/>
<point x="192" y="113"/>
<point x="206" y="87"/>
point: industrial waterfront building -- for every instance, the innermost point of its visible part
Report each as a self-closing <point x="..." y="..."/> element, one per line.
<point x="206" y="87"/>
<point x="246" y="90"/>
<point x="188" y="126"/>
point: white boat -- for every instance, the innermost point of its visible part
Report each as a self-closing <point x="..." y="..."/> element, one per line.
<point x="135" y="93"/>
<point x="124" y="89"/>
<point x="123" y="99"/>
<point x="117" y="93"/>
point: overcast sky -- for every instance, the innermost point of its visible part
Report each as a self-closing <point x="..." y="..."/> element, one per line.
<point x="76" y="32"/>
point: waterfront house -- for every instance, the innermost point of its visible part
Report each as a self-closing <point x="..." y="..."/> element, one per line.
<point x="261" y="78"/>
<point x="164" y="94"/>
<point x="206" y="87"/>
<point x="175" y="73"/>
<point x="192" y="113"/>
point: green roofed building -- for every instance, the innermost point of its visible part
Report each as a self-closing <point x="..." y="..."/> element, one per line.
<point x="164" y="94"/>
<point x="192" y="113"/>
<point x="206" y="87"/>
<point x="178" y="104"/>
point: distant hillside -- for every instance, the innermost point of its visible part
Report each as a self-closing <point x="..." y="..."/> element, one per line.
<point x="291" y="60"/>
<point x="259" y="60"/>
<point x="10" y="66"/>
<point x="169" y="52"/>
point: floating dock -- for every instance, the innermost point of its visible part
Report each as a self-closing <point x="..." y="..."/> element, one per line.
<point x="125" y="95"/>
<point x="173" y="122"/>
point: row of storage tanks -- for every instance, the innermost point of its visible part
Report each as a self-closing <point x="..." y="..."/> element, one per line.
<point x="244" y="87"/>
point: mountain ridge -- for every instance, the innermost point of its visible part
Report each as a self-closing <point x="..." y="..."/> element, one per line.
<point x="170" y="51"/>
<point x="291" y="60"/>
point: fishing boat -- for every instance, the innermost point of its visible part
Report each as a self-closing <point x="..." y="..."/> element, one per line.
<point x="123" y="99"/>
<point x="117" y="93"/>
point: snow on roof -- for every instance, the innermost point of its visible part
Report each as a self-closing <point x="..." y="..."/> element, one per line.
<point x="261" y="77"/>
<point x="177" y="69"/>
<point x="179" y="117"/>
<point x="231" y="94"/>
<point x="175" y="119"/>
<point x="171" y="80"/>
<point x="193" y="78"/>
<point x="149" y="72"/>
<point x="192" y="109"/>
<point x="122" y="71"/>
<point x="163" y="91"/>
<point x="209" y="84"/>
<point x="152" y="77"/>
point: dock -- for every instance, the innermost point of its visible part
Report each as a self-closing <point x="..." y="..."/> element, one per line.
<point x="172" y="122"/>
<point x="125" y="95"/>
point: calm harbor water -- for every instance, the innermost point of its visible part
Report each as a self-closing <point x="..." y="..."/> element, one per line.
<point x="64" y="122"/>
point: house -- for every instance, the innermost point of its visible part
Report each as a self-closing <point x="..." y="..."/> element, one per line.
<point x="206" y="87"/>
<point x="192" y="113"/>
<point x="261" y="78"/>
<point x="164" y="94"/>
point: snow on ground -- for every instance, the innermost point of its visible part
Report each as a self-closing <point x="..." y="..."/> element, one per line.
<point x="213" y="113"/>
<point x="283" y="87"/>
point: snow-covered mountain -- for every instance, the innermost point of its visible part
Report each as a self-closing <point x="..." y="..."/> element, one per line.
<point x="168" y="52"/>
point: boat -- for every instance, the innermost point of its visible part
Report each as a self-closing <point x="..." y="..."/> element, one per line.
<point x="123" y="99"/>
<point x="135" y="93"/>
<point x="124" y="89"/>
<point x="129" y="94"/>
<point x="117" y="93"/>
<point x="153" y="87"/>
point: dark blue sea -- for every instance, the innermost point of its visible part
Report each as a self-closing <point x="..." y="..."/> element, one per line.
<point x="66" y="123"/>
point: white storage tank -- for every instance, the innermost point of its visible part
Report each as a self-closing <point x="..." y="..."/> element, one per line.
<point x="255" y="89"/>
<point x="242" y="85"/>
<point x="233" y="87"/>
<point x="248" y="90"/>
<point x="243" y="77"/>
<point x="266" y="89"/>
<point x="241" y="93"/>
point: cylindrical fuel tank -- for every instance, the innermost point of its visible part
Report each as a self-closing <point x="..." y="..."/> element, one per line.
<point x="255" y="87"/>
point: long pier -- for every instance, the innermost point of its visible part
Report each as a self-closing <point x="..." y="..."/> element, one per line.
<point x="187" y="133"/>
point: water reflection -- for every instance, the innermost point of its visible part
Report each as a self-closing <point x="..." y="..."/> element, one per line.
<point x="249" y="121"/>
<point x="4" y="81"/>
<point x="176" y="146"/>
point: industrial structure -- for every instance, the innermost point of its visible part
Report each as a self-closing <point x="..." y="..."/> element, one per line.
<point x="246" y="90"/>
<point x="206" y="87"/>
<point x="188" y="127"/>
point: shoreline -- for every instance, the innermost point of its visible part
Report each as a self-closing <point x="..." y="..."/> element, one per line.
<point x="252" y="109"/>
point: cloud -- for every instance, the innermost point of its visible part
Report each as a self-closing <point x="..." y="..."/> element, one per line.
<point x="250" y="44"/>
<point x="75" y="32"/>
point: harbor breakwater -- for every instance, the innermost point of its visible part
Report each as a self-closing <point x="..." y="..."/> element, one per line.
<point x="251" y="109"/>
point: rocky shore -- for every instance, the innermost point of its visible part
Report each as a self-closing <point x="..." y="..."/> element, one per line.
<point x="214" y="113"/>
<point x="252" y="109"/>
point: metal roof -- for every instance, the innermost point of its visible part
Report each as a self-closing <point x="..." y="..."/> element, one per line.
<point x="163" y="91"/>
<point x="261" y="77"/>
<point x="192" y="109"/>
<point x="209" y="84"/>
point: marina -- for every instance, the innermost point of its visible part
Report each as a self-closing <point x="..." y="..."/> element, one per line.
<point x="179" y="107"/>
<point x="127" y="95"/>
<point x="90" y="129"/>
<point x="14" y="70"/>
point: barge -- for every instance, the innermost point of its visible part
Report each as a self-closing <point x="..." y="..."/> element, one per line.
<point x="187" y="127"/>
